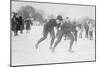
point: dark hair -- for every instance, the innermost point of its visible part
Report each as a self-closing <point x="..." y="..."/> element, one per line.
<point x="67" y="17"/>
<point x="59" y="17"/>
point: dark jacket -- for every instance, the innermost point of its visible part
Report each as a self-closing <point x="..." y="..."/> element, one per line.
<point x="49" y="26"/>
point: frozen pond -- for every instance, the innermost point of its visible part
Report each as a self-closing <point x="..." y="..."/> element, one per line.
<point x="24" y="52"/>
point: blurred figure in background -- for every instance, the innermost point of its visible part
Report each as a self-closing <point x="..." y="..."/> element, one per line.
<point x="14" y="22"/>
<point x="86" y="28"/>
<point x="28" y="24"/>
<point x="67" y="20"/>
<point x="90" y="31"/>
<point x="81" y="30"/>
<point x="20" y="24"/>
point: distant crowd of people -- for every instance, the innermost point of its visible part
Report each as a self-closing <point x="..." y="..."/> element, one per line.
<point x="18" y="23"/>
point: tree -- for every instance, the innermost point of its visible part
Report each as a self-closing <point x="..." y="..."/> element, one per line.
<point x="29" y="11"/>
<point x="51" y="16"/>
<point x="26" y="11"/>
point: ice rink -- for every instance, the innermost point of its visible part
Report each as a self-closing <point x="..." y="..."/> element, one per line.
<point x="24" y="52"/>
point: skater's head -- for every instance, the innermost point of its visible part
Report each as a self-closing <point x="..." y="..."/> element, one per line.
<point x="67" y="17"/>
<point x="67" y="20"/>
<point x="59" y="17"/>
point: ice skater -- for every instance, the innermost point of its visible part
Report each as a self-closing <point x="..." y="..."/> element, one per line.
<point x="70" y="31"/>
<point x="49" y="29"/>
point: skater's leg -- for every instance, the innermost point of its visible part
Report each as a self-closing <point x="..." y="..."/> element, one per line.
<point x="57" y="33"/>
<point x="75" y="34"/>
<point x="52" y="34"/>
<point x="71" y="41"/>
<point x="80" y="34"/>
<point x="65" y="35"/>
<point x="58" y="40"/>
<point x="43" y="38"/>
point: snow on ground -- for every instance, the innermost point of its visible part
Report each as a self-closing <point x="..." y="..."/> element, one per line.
<point x="24" y="52"/>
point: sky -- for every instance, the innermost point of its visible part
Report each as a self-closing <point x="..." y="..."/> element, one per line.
<point x="72" y="11"/>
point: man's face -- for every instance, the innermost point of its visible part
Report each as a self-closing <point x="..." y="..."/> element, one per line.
<point x="58" y="21"/>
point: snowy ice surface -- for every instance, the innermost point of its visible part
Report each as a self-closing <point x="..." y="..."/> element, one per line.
<point x="24" y="52"/>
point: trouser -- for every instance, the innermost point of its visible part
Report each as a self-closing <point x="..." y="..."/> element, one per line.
<point x="60" y="35"/>
<point x="52" y="34"/>
<point x="91" y="34"/>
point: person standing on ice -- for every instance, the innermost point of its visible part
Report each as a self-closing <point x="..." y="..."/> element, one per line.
<point x="49" y="28"/>
<point x="20" y="23"/>
<point x="28" y="25"/>
<point x="86" y="28"/>
<point x="91" y="31"/>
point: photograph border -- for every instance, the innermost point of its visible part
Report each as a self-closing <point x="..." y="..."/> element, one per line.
<point x="55" y="62"/>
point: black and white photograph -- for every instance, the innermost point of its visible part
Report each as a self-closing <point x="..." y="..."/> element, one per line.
<point x="52" y="33"/>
